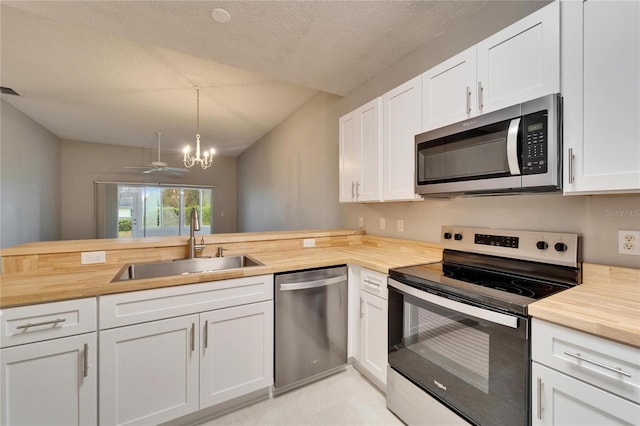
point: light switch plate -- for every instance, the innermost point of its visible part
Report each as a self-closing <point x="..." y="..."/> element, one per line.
<point x="309" y="242"/>
<point x="361" y="221"/>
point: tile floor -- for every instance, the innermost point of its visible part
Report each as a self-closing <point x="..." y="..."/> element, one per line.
<point x="344" y="399"/>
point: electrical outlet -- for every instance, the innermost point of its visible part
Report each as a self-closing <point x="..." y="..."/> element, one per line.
<point x="383" y="224"/>
<point x="361" y="221"/>
<point x="309" y="242"/>
<point x="87" y="257"/>
<point x="629" y="242"/>
<point x="400" y="225"/>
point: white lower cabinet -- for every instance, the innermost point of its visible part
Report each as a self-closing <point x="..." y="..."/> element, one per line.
<point x="580" y="379"/>
<point x="149" y="372"/>
<point x="50" y="383"/>
<point x="162" y="369"/>
<point x="373" y="335"/>
<point x="48" y="362"/>
<point x="564" y="401"/>
<point x="237" y="352"/>
<point x="373" y="326"/>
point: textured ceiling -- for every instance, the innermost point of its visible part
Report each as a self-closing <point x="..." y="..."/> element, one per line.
<point x="118" y="71"/>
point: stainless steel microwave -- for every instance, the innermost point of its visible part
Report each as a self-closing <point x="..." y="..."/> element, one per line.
<point x="515" y="149"/>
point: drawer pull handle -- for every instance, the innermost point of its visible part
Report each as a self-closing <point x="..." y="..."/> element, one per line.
<point x="85" y="369"/>
<point x="372" y="284"/>
<point x="36" y="324"/>
<point x="599" y="364"/>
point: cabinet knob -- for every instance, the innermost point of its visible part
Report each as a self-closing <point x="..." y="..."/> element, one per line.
<point x="542" y="245"/>
<point x="447" y="235"/>
<point x="457" y="237"/>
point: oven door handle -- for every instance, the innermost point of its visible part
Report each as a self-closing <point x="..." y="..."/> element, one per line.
<point x="512" y="147"/>
<point x="485" y="314"/>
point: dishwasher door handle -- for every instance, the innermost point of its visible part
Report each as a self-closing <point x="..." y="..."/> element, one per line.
<point x="312" y="284"/>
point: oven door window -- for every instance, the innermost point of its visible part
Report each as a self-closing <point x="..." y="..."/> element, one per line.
<point x="476" y="367"/>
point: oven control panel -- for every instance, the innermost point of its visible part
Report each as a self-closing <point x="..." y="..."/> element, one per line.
<point x="548" y="247"/>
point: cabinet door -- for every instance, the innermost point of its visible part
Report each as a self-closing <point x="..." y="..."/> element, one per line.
<point x="369" y="182"/>
<point x="373" y="335"/>
<point x="402" y="118"/>
<point x="361" y="153"/>
<point x="601" y="89"/>
<point x="449" y="91"/>
<point x="149" y="372"/>
<point x="521" y="62"/>
<point x="561" y="400"/>
<point x="237" y="352"/>
<point x="50" y="383"/>
<point x="349" y="156"/>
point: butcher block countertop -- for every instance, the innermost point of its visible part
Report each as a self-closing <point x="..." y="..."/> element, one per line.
<point x="48" y="286"/>
<point x="606" y="304"/>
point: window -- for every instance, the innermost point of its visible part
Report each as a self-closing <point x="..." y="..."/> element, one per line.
<point x="132" y="210"/>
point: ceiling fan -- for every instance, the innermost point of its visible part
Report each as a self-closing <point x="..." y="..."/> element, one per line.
<point x="159" y="166"/>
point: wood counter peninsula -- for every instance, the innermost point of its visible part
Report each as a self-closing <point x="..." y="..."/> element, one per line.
<point x="51" y="271"/>
<point x="607" y="304"/>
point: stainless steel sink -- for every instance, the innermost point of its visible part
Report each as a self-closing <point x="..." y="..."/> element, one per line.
<point x="137" y="271"/>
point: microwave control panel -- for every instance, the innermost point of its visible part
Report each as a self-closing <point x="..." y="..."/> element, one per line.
<point x="534" y="143"/>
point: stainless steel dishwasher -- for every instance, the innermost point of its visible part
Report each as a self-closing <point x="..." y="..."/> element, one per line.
<point x="310" y="325"/>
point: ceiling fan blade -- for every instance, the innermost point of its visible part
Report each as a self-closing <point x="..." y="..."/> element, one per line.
<point x="152" y="170"/>
<point x="176" y="171"/>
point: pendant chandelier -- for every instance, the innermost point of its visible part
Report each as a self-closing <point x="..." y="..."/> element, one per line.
<point x="206" y="159"/>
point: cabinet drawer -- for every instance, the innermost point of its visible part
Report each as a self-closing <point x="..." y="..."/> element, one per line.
<point x="26" y="324"/>
<point x="609" y="365"/>
<point x="374" y="282"/>
<point x="148" y="305"/>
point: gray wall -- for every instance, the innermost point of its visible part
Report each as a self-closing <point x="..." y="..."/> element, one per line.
<point x="29" y="179"/>
<point x="268" y="198"/>
<point x="288" y="179"/>
<point x="84" y="163"/>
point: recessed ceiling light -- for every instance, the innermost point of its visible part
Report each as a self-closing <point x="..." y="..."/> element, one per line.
<point x="220" y="15"/>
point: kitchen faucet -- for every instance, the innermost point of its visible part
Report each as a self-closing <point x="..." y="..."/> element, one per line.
<point x="194" y="226"/>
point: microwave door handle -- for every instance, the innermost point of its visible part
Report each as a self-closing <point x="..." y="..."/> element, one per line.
<point x="512" y="147"/>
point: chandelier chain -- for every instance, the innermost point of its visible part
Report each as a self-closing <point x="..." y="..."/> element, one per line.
<point x="198" y="112"/>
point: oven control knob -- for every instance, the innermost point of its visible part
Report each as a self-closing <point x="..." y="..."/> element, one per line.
<point x="457" y="237"/>
<point x="560" y="247"/>
<point x="542" y="245"/>
<point x="447" y="235"/>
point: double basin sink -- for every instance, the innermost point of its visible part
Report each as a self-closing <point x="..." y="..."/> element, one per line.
<point x="137" y="271"/>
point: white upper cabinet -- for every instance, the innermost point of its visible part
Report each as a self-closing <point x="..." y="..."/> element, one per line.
<point x="360" y="153"/>
<point x="449" y="91"/>
<point x="402" y="115"/>
<point x="517" y="64"/>
<point x="521" y="62"/>
<point x="601" y="89"/>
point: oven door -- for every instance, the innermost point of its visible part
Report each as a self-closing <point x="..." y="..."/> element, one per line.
<point x="472" y="359"/>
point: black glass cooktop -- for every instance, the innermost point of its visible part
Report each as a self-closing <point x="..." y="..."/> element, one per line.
<point x="512" y="286"/>
<point x="522" y="286"/>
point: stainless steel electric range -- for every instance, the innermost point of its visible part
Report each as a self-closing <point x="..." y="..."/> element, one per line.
<point x="459" y="334"/>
